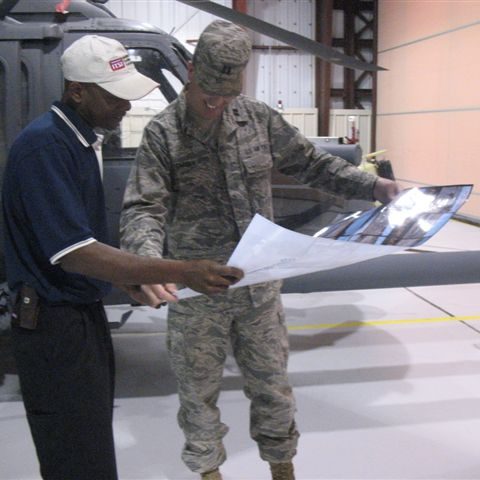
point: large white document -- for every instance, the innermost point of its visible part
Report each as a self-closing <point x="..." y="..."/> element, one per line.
<point x="268" y="252"/>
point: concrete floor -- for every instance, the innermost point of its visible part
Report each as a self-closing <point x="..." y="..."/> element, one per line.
<point x="386" y="381"/>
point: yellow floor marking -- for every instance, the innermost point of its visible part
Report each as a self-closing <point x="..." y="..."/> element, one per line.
<point x="384" y="322"/>
<point x="366" y="323"/>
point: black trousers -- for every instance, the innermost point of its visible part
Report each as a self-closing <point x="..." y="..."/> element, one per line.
<point x="66" y="371"/>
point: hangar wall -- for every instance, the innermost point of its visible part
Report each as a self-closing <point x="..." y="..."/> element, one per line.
<point x="428" y="102"/>
<point x="274" y="72"/>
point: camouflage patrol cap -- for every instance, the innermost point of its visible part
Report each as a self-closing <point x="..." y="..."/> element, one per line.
<point x="221" y="55"/>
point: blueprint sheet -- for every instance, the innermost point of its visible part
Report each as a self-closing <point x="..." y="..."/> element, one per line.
<point x="268" y="252"/>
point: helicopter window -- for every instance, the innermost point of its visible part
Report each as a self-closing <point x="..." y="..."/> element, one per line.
<point x="122" y="142"/>
<point x="153" y="64"/>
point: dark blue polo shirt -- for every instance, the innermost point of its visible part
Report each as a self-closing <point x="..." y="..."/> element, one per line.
<point x="53" y="203"/>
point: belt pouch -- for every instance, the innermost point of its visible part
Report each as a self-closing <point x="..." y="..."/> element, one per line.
<point x="26" y="308"/>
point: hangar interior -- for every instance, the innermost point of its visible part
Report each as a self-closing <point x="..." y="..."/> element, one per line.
<point x="385" y="377"/>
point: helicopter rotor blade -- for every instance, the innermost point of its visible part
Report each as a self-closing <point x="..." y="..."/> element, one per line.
<point x="294" y="39"/>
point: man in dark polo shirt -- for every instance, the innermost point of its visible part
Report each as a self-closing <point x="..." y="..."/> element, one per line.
<point x="59" y="264"/>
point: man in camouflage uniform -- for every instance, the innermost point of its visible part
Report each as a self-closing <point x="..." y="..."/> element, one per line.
<point x="202" y="171"/>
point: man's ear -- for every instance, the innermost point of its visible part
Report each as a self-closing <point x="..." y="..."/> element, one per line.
<point x="74" y="91"/>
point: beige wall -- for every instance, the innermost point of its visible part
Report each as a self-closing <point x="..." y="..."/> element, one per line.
<point x="428" y="103"/>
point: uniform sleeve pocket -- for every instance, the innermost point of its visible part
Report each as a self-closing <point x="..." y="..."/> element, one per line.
<point x="258" y="164"/>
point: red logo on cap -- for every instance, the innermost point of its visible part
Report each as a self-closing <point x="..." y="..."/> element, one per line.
<point x="117" y="64"/>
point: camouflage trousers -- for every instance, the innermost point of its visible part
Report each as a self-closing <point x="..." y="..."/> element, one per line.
<point x="201" y="331"/>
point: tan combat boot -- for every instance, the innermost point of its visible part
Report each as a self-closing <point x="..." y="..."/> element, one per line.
<point x="282" y="471"/>
<point x="213" y="475"/>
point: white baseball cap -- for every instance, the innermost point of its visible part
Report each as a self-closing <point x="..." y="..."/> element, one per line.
<point x="105" y="61"/>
